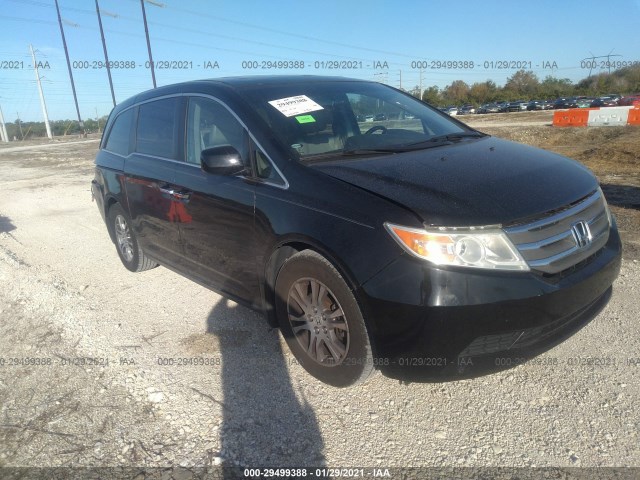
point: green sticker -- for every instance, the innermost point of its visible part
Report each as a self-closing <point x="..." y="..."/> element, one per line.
<point x="305" y="119"/>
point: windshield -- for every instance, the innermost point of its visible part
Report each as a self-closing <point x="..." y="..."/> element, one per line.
<point x="331" y="118"/>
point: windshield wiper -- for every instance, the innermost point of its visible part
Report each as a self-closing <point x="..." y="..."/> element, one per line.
<point x="372" y="151"/>
<point x="449" y="137"/>
<point x="436" y="141"/>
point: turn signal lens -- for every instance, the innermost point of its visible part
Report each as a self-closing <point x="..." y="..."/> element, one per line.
<point x="476" y="247"/>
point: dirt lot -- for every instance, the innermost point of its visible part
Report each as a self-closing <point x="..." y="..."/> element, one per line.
<point x="82" y="342"/>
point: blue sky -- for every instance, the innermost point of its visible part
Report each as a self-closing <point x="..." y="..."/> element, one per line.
<point x="366" y="33"/>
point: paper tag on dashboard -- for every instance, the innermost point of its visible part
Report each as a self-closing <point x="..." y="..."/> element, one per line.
<point x="297" y="105"/>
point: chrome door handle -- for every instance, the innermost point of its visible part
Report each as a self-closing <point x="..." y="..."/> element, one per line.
<point x="181" y="195"/>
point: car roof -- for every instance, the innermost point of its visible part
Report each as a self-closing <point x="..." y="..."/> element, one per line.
<point x="233" y="83"/>
<point x="253" y="80"/>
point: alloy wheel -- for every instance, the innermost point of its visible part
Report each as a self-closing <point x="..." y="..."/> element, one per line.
<point x="318" y="322"/>
<point x="123" y="238"/>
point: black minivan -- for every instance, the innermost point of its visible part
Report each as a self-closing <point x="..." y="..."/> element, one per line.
<point x="374" y="230"/>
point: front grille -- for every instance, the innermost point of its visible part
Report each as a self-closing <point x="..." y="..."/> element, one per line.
<point x="549" y="244"/>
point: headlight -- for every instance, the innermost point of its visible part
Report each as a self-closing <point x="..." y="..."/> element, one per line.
<point x="476" y="247"/>
<point x="606" y="207"/>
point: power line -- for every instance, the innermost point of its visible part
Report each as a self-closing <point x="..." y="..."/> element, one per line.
<point x="30" y="20"/>
<point x="48" y="5"/>
<point x="234" y="22"/>
<point x="289" y="34"/>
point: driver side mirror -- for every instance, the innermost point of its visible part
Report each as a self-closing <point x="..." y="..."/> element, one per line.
<point x="222" y="160"/>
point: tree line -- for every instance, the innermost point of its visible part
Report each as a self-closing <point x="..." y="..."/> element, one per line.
<point x="526" y="85"/>
<point x="19" y="130"/>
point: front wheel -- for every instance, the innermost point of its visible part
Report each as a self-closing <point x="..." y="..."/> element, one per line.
<point x="321" y="321"/>
<point x="130" y="252"/>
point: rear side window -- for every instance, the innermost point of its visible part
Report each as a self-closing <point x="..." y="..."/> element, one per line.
<point x="118" y="141"/>
<point x="157" y="132"/>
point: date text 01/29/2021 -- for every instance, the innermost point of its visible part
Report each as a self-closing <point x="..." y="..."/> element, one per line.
<point x="316" y="472"/>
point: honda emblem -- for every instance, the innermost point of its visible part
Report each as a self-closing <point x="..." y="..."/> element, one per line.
<point x="581" y="234"/>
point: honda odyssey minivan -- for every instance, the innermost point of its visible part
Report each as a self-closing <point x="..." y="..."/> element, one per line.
<point x="410" y="243"/>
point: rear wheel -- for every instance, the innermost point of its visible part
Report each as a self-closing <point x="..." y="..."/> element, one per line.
<point x="130" y="252"/>
<point x="321" y="321"/>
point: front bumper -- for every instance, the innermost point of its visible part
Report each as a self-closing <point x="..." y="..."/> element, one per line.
<point x="429" y="323"/>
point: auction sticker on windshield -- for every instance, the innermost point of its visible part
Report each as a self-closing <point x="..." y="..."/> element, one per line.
<point x="297" y="105"/>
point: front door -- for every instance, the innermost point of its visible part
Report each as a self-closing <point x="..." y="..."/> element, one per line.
<point x="218" y="236"/>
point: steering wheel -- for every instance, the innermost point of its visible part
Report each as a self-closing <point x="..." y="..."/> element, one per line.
<point x="382" y="129"/>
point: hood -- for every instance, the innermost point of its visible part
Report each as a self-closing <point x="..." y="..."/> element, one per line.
<point x="474" y="182"/>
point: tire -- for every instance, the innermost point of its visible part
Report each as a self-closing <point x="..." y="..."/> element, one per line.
<point x="129" y="251"/>
<point x="313" y="302"/>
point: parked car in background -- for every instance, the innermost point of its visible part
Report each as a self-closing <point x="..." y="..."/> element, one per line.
<point x="539" y="105"/>
<point x="630" y="100"/>
<point x="584" y="102"/>
<point x="535" y="105"/>
<point x="517" y="106"/>
<point x="451" y="110"/>
<point x="503" y="106"/>
<point x="604" y="102"/>
<point x="560" y="102"/>
<point x="466" y="109"/>
<point x="614" y="96"/>
<point x="489" y="108"/>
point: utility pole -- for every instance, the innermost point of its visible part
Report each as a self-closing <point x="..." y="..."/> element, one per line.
<point x="97" y="120"/>
<point x="42" y="103"/>
<point x="146" y="32"/>
<point x="66" y="52"/>
<point x="106" y="57"/>
<point x="420" y="92"/>
<point x="3" y="128"/>
<point x="400" y="79"/>
<point x="20" y="126"/>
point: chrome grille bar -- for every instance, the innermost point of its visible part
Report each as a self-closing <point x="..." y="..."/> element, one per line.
<point x="548" y="244"/>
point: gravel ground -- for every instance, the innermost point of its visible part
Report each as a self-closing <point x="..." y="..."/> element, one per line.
<point x="99" y="396"/>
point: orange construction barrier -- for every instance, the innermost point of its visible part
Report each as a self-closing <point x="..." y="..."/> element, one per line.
<point x="634" y="117"/>
<point x="575" y="117"/>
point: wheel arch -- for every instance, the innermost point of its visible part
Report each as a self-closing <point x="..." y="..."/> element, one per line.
<point x="280" y="254"/>
<point x="109" y="202"/>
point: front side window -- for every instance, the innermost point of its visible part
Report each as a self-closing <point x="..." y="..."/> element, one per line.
<point x="118" y="140"/>
<point x="210" y="124"/>
<point x="157" y="131"/>
<point x="266" y="171"/>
